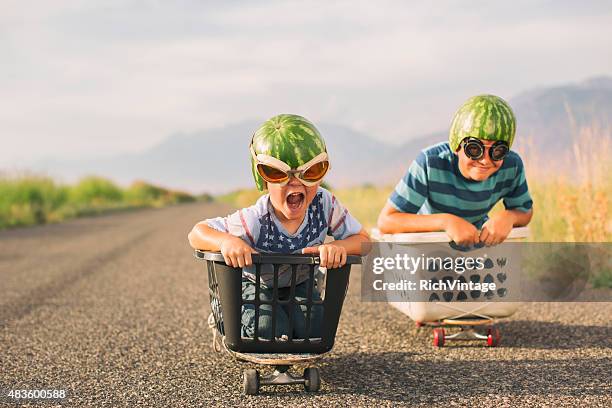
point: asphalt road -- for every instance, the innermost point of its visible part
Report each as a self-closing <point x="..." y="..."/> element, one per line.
<point x="113" y="309"/>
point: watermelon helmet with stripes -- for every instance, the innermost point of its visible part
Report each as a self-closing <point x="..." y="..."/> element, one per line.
<point x="292" y="139"/>
<point x="486" y="117"/>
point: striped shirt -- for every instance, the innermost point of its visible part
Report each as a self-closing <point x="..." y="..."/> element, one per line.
<point x="433" y="184"/>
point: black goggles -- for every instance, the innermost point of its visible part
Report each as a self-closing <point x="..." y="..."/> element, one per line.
<point x="475" y="149"/>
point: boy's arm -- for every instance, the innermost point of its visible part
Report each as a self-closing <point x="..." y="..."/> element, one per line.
<point x="349" y="235"/>
<point x="392" y="221"/>
<point x="519" y="218"/>
<point x="410" y="193"/>
<point x="235" y="251"/>
<point x="352" y="244"/>
<point x="518" y="212"/>
<point x="206" y="238"/>
<point x="333" y="254"/>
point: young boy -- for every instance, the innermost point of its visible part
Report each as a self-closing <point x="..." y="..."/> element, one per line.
<point x="452" y="186"/>
<point x="289" y="158"/>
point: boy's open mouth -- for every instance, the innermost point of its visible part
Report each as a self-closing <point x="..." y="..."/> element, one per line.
<point x="295" y="200"/>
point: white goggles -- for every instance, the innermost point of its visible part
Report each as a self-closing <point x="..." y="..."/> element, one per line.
<point x="276" y="171"/>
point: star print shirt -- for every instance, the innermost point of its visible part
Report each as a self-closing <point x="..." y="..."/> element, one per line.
<point x="261" y="229"/>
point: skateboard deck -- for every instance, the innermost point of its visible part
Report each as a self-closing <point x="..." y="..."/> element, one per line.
<point x="468" y="322"/>
<point x="274" y="358"/>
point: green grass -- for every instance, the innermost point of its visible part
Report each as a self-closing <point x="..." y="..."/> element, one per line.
<point x="240" y="198"/>
<point x="364" y="202"/>
<point x="31" y="199"/>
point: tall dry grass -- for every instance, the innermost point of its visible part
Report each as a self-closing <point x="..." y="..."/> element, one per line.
<point x="572" y="204"/>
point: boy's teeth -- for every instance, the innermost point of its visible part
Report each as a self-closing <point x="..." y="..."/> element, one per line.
<point x="294" y="198"/>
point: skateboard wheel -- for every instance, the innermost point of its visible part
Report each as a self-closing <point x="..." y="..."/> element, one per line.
<point x="493" y="337"/>
<point x="250" y="383"/>
<point x="438" y="337"/>
<point x="312" y="379"/>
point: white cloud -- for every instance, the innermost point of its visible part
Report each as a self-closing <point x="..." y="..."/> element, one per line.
<point x="81" y="78"/>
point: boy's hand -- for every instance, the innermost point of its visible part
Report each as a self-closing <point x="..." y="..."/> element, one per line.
<point x="236" y="252"/>
<point x="461" y="232"/>
<point x="496" y="229"/>
<point x="331" y="256"/>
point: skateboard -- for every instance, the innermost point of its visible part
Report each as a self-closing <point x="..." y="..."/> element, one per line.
<point x="468" y="330"/>
<point x="252" y="379"/>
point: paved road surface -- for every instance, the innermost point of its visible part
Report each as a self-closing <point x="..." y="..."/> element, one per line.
<point x="113" y="309"/>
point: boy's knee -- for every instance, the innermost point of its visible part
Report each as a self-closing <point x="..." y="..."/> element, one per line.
<point x="266" y="322"/>
<point x="308" y="324"/>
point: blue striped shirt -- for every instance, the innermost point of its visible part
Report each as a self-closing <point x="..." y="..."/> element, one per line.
<point x="433" y="184"/>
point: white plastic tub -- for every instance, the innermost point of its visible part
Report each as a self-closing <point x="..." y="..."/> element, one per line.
<point x="433" y="311"/>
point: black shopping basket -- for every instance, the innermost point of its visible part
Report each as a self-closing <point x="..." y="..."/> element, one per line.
<point x="226" y="300"/>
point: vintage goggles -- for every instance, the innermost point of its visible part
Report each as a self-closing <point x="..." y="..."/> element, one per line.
<point x="276" y="171"/>
<point x="475" y="149"/>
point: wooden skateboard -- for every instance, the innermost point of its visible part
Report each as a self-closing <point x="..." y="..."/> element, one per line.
<point x="282" y="362"/>
<point x="275" y="359"/>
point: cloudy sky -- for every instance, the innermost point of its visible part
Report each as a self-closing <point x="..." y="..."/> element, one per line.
<point x="81" y="78"/>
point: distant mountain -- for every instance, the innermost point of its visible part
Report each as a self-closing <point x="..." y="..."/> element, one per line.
<point x="216" y="160"/>
<point x="552" y="117"/>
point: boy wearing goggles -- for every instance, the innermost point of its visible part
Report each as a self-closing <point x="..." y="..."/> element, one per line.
<point x="289" y="159"/>
<point x="452" y="186"/>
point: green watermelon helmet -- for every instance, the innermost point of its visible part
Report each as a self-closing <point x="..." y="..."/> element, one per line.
<point x="485" y="117"/>
<point x="289" y="138"/>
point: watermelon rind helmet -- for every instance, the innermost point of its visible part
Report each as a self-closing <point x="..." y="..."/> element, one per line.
<point x="290" y="138"/>
<point x="485" y="117"/>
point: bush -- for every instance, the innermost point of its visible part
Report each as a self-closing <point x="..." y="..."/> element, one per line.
<point x="141" y="193"/>
<point x="95" y="192"/>
<point x="29" y="199"/>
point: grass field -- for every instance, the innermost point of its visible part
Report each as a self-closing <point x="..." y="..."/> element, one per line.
<point x="32" y="199"/>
